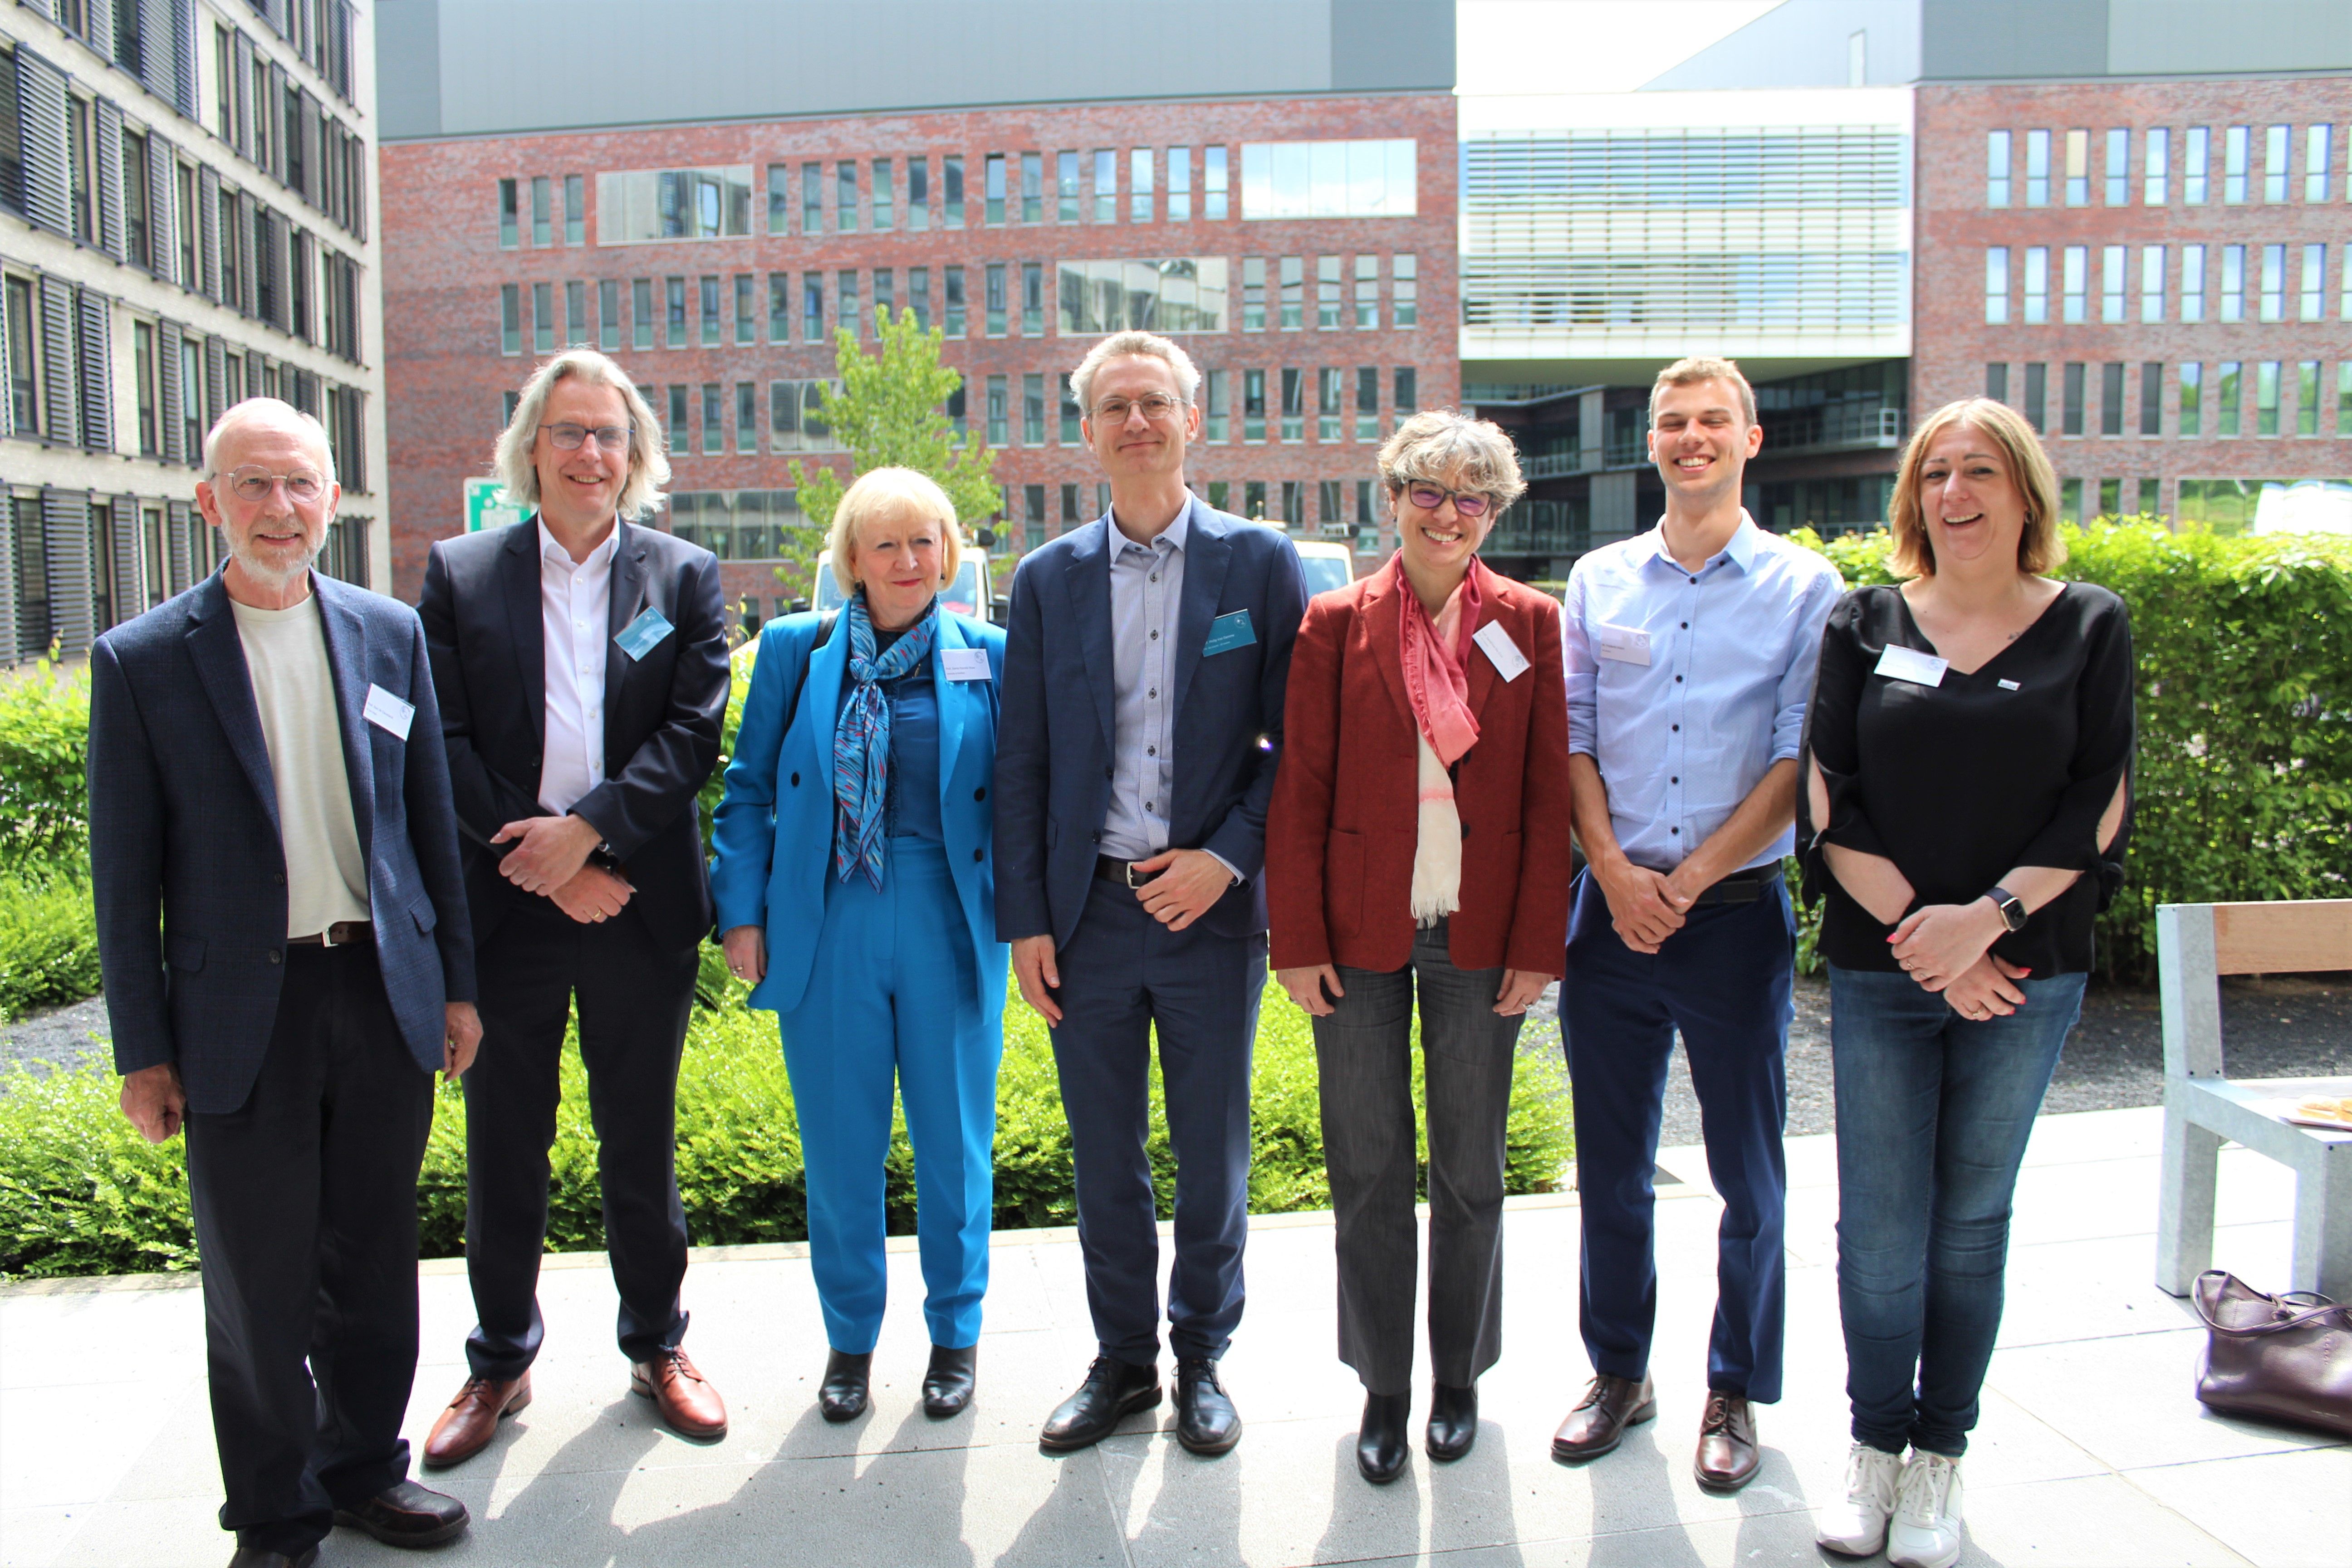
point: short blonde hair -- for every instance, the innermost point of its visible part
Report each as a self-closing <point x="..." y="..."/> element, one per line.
<point x="1697" y="368"/>
<point x="1119" y="345"/>
<point x="878" y="492"/>
<point x="2038" y="547"/>
<point x="1432" y="444"/>
<point x="648" y="465"/>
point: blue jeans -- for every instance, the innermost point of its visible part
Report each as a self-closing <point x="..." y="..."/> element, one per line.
<point x="1932" y="1112"/>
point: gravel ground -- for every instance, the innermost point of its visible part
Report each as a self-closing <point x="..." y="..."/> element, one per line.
<point x="63" y="1035"/>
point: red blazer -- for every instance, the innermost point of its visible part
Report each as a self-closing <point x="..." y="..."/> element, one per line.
<point x="1340" y="835"/>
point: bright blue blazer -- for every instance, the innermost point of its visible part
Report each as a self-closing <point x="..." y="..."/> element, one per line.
<point x="773" y="831"/>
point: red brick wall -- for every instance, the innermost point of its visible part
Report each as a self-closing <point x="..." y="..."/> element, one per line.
<point x="1953" y="344"/>
<point x="444" y="266"/>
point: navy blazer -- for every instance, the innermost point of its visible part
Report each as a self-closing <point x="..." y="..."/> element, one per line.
<point x="1053" y="751"/>
<point x="480" y="607"/>
<point x="189" y="870"/>
<point x="773" y="831"/>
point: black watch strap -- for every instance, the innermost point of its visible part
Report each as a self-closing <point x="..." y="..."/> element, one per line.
<point x="2013" y="910"/>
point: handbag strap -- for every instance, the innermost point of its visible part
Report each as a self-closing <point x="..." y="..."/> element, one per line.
<point x="2322" y="1306"/>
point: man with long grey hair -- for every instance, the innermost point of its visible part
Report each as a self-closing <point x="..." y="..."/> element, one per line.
<point x="582" y="659"/>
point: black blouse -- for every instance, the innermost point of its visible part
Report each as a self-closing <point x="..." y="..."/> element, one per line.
<point x="1956" y="783"/>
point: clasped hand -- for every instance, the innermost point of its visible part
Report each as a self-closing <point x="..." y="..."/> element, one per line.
<point x="550" y="852"/>
<point x="1645" y="906"/>
<point x="1938" y="944"/>
<point x="1314" y="986"/>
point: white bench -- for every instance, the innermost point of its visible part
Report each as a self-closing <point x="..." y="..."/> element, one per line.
<point x="2196" y="945"/>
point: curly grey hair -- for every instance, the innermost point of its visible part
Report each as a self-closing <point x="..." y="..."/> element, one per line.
<point x="1433" y="443"/>
<point x="648" y="465"/>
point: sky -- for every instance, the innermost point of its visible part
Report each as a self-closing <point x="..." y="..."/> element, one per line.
<point x="1585" y="46"/>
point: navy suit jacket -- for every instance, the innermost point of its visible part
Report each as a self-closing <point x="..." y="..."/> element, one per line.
<point x="1053" y="746"/>
<point x="481" y="613"/>
<point x="189" y="869"/>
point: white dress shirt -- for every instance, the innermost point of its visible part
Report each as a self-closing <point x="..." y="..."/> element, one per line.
<point x="574" y="603"/>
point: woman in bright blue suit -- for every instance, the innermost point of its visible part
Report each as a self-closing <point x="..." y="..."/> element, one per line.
<point x="856" y="887"/>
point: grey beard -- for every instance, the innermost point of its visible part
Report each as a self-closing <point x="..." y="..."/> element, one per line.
<point x="275" y="575"/>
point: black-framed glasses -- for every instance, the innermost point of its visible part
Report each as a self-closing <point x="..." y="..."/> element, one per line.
<point x="1429" y="498"/>
<point x="1156" y="406"/>
<point x="610" y="437"/>
<point x="254" y="483"/>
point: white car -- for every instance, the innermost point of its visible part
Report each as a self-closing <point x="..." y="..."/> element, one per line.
<point x="967" y="595"/>
<point x="1327" y="565"/>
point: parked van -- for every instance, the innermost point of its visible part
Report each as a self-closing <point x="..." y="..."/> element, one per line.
<point x="967" y="595"/>
<point x="1327" y="564"/>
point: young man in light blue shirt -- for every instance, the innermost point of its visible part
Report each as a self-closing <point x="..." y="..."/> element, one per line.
<point x="1690" y="653"/>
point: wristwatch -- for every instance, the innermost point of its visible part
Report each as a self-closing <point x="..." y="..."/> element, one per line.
<point x="2010" y="908"/>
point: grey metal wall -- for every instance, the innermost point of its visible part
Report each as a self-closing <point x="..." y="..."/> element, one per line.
<point x="2070" y="39"/>
<point x="449" y="68"/>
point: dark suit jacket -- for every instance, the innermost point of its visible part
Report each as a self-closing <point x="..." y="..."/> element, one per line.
<point x="1053" y="746"/>
<point x="662" y="714"/>
<point x="190" y="872"/>
<point x="1346" y="818"/>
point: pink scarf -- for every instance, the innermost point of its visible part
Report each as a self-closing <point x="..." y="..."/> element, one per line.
<point x="1436" y="663"/>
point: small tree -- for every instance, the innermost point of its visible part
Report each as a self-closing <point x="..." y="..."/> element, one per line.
<point x="888" y="413"/>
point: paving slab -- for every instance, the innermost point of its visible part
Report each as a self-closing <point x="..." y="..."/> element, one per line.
<point x="2090" y="1450"/>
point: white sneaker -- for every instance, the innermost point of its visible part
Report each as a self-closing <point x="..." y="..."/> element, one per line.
<point x="1925" y="1529"/>
<point x="1857" y="1526"/>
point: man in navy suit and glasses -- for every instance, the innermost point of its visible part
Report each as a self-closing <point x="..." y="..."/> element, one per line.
<point x="1144" y="667"/>
<point x="283" y="930"/>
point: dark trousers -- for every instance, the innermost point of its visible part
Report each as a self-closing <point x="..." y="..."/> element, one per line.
<point x="1124" y="976"/>
<point x="1363" y="1055"/>
<point x="1725" y="981"/>
<point x="634" y="1001"/>
<point x="305" y="1201"/>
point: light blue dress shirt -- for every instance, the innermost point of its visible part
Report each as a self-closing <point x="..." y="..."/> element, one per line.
<point x="1147" y="593"/>
<point x="1683" y="740"/>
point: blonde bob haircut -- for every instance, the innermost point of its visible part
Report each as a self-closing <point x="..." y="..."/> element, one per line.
<point x="886" y="493"/>
<point x="1429" y="447"/>
<point x="2038" y="547"/>
<point x="648" y="465"/>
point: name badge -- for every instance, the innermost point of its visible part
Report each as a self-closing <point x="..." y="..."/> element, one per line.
<point x="1227" y="633"/>
<point x="1911" y="665"/>
<point x="640" y="636"/>
<point x="1501" y="651"/>
<point x="1627" y="644"/>
<point x="2007" y="685"/>
<point x="388" y="712"/>
<point x="964" y="663"/>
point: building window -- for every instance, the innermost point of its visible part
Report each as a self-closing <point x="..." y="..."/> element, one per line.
<point x="1033" y="410"/>
<point x="2037" y="285"/>
<point x="675" y="333"/>
<point x="2155" y="172"/>
<point x="2112" y="268"/>
<point x="1327" y="299"/>
<point x="747" y="308"/>
<point x="1330" y="505"/>
<point x="2197" y="166"/>
<point x="1404" y="294"/>
<point x="1293" y="293"/>
<point x="1032" y="298"/>
<point x="812" y="198"/>
<point x="2078" y="168"/>
<point x="918" y="296"/>
<point x="844" y="198"/>
<point x="1368" y="292"/>
<point x="575" y="210"/>
<point x="714" y="422"/>
<point x="951" y="190"/>
<point x="542" y="212"/>
<point x="1072" y="417"/>
<point x="707" y="296"/>
<point x="2315" y="282"/>
<point x="811" y="307"/>
<point x="2275" y="165"/>
<point x="1329" y="406"/>
<point x="645" y="206"/>
<point x="994" y="283"/>
<point x="1294" y="405"/>
<point x="1033" y="187"/>
<point x="1997" y="383"/>
<point x="848" y="318"/>
<point x="1254" y="293"/>
<point x="992" y="174"/>
<point x="2070" y="500"/>
<point x="1033" y="515"/>
<point x="135" y="226"/>
<point x="678" y="420"/>
<point x="1066" y="187"/>
<point x="1408" y="397"/>
<point x="2230" y="398"/>
<point x="2306" y="397"/>
<point x="2233" y="166"/>
<point x="954" y="325"/>
<point x="1996" y="168"/>
<point x="1106" y="185"/>
<point x="2343" y="399"/>
<point x="2315" y="140"/>
<point x="575" y="313"/>
<point x="1254" y="499"/>
<point x="1071" y="514"/>
<point x="641" y="313"/>
<point x="885" y="196"/>
<point x="779" y="307"/>
<point x="2111" y="399"/>
<point x="608" y="315"/>
<point x="2077" y="280"/>
<point x="2118" y="171"/>
<point x="1996" y="285"/>
<point x="2151" y="401"/>
<point x="2266" y="398"/>
<point x="747" y="416"/>
<point x="885" y="296"/>
<point x="510" y="322"/>
<point x="2234" y="283"/>
<point x="2192" y="399"/>
<point x="508" y="233"/>
<point x="1213" y="177"/>
<point x="780" y="206"/>
<point x="1293" y="503"/>
<point x="2273" y="303"/>
<point x="1217" y="417"/>
<point x="1328" y="179"/>
<point x="1140" y="183"/>
<point x="1179" y="184"/>
<point x="2192" y="282"/>
<point x="998" y="423"/>
<point x="2037" y="168"/>
<point x="2037" y="395"/>
<point x="918" y="194"/>
<point x="2151" y="283"/>
<point x="1253" y="406"/>
<point x="2070" y="399"/>
<point x="143" y="365"/>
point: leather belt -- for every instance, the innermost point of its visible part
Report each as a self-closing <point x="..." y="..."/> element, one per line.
<point x="1739" y="888"/>
<point x="1120" y="871"/>
<point x="343" y="933"/>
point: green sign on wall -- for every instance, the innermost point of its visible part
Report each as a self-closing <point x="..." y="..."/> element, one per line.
<point x="486" y="506"/>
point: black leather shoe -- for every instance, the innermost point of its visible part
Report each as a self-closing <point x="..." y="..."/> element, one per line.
<point x="1452" y="1421"/>
<point x="1113" y="1390"/>
<point x="947" y="1385"/>
<point x="261" y="1557"/>
<point x="1599" y="1421"/>
<point x="842" y="1395"/>
<point x="1380" y="1446"/>
<point x="1206" y="1422"/>
<point x="406" y="1514"/>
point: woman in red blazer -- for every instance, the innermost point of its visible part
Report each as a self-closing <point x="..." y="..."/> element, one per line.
<point x="1419" y="842"/>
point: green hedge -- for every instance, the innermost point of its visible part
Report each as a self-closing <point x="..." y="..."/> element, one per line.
<point x="43" y="738"/>
<point x="81" y="1193"/>
<point x="49" y="939"/>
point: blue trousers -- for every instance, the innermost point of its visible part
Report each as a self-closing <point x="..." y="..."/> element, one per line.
<point x="1932" y="1112"/>
<point x="1126" y="977"/>
<point x="1725" y="981"/>
<point x="892" y="997"/>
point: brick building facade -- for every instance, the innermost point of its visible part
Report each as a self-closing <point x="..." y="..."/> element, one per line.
<point x="702" y="257"/>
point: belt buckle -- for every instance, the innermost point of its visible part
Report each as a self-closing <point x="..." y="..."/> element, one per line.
<point x="1128" y="872"/>
<point x="327" y="935"/>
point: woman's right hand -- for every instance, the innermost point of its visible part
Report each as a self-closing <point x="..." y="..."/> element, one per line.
<point x="1306" y="986"/>
<point x="1983" y="991"/>
<point x="747" y="952"/>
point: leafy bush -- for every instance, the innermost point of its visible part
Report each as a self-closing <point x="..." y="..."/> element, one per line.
<point x="43" y="738"/>
<point x="81" y="1193"/>
<point x="48" y="938"/>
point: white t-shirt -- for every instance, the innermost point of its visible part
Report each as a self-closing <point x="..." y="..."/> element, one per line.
<point x="326" y="875"/>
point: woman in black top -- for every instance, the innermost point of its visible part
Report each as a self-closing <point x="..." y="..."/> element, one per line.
<point x="1968" y="788"/>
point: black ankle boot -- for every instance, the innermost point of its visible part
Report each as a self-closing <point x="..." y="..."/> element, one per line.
<point x="948" y="1384"/>
<point x="1452" y="1421"/>
<point x="1380" y="1446"/>
<point x="842" y="1398"/>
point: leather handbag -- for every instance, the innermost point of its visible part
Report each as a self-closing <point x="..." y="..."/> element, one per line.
<point x="2276" y="1358"/>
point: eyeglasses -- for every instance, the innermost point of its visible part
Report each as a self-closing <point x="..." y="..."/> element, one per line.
<point x="1429" y="498"/>
<point x="1156" y="406"/>
<point x="254" y="483"/>
<point x="611" y="438"/>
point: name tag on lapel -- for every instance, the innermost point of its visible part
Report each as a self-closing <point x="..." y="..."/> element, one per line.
<point x="1911" y="665"/>
<point x="1501" y="651"/>
<point x="1227" y="633"/>
<point x="388" y="712"/>
<point x="640" y="636"/>
<point x="964" y="663"/>
<point x="1626" y="645"/>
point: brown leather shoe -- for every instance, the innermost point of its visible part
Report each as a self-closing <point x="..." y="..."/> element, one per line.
<point x="1728" y="1457"/>
<point x="1599" y="1421"/>
<point x="467" y="1428"/>
<point x="689" y="1407"/>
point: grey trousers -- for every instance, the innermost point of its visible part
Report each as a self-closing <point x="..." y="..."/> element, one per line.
<point x="1363" y="1052"/>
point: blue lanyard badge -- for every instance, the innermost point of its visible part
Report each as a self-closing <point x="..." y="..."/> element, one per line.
<point x="640" y="636"/>
<point x="1227" y="633"/>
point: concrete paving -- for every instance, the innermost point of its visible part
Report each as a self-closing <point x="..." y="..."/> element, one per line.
<point x="2091" y="1450"/>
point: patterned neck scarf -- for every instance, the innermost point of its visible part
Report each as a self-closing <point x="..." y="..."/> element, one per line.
<point x="861" y="739"/>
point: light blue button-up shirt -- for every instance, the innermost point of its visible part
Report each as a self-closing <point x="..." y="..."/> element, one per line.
<point x="1683" y="740"/>
<point x="1147" y="593"/>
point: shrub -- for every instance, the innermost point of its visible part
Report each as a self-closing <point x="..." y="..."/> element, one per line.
<point x="43" y="738"/>
<point x="48" y="938"/>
